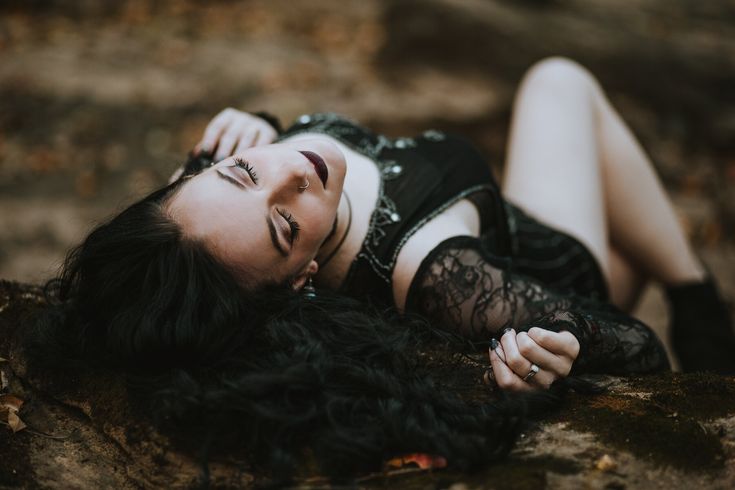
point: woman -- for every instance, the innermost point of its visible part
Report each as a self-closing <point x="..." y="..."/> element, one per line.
<point x="223" y="281"/>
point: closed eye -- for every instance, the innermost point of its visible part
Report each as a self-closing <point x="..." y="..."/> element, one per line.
<point x="247" y="167"/>
<point x="292" y="224"/>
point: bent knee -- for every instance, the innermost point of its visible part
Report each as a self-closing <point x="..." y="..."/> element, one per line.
<point x="557" y="71"/>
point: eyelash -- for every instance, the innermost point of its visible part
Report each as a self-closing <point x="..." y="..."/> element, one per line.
<point x="246" y="166"/>
<point x="292" y="223"/>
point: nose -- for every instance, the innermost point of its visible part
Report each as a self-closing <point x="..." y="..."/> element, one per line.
<point x="292" y="178"/>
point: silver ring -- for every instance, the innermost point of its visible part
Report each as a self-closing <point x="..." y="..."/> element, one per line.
<point x="534" y="370"/>
<point x="304" y="187"/>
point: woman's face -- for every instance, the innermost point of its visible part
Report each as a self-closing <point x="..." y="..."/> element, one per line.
<point x="253" y="213"/>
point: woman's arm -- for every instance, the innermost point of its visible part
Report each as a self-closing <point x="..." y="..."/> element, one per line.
<point x="464" y="288"/>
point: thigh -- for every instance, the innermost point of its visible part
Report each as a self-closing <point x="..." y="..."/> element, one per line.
<point x="552" y="171"/>
<point x="627" y="281"/>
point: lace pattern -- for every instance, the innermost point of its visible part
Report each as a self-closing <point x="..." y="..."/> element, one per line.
<point x="462" y="287"/>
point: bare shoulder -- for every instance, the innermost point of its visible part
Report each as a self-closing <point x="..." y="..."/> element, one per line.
<point x="459" y="219"/>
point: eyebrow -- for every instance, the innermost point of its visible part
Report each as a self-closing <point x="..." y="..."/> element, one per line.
<point x="274" y="236"/>
<point x="230" y="179"/>
<point x="268" y="219"/>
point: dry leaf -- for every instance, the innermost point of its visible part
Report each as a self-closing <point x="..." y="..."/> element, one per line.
<point x="422" y="460"/>
<point x="3" y="380"/>
<point x="15" y="423"/>
<point x="11" y="402"/>
<point x="2" y="359"/>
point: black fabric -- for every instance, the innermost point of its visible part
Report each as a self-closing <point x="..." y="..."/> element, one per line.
<point x="463" y="287"/>
<point x="701" y="327"/>
<point x="553" y="257"/>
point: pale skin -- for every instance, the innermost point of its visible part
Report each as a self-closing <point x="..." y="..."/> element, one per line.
<point x="564" y="135"/>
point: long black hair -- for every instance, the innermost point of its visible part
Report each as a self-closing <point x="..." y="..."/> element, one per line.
<point x="267" y="372"/>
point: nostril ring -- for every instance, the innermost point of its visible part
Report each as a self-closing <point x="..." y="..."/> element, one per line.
<point x="304" y="187"/>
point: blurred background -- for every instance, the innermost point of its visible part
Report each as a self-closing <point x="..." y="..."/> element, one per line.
<point x="101" y="100"/>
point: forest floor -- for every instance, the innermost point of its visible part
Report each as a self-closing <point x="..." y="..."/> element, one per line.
<point x="100" y="101"/>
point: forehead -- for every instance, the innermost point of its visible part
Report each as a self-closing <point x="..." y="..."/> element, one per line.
<point x="230" y="222"/>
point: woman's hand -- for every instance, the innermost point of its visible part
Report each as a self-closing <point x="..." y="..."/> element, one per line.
<point x="514" y="356"/>
<point x="232" y="131"/>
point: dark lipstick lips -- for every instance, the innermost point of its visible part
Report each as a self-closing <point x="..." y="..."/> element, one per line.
<point x="319" y="166"/>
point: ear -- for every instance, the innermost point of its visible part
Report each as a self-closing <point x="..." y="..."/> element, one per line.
<point x="300" y="280"/>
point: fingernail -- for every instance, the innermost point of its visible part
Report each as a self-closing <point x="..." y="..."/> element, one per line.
<point x="506" y="330"/>
<point x="493" y="344"/>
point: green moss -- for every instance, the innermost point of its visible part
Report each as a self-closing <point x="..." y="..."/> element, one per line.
<point x="667" y="427"/>
<point x="702" y="396"/>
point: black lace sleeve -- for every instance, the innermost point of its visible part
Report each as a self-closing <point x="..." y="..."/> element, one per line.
<point x="460" y="286"/>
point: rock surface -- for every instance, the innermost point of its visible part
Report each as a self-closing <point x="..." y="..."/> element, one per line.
<point x="100" y="101"/>
<point x="662" y="431"/>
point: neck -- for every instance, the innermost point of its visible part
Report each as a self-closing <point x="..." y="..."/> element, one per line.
<point x="336" y="238"/>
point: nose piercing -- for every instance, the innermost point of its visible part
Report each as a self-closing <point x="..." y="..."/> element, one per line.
<point x="304" y="187"/>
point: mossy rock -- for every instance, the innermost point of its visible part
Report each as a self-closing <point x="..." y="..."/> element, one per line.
<point x="669" y="429"/>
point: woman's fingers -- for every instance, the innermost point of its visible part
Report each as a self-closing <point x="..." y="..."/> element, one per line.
<point x="542" y="357"/>
<point x="513" y="357"/>
<point x="247" y="139"/>
<point x="228" y="141"/>
<point x="232" y="131"/>
<point x="214" y="130"/>
<point x="176" y="175"/>
<point x="561" y="343"/>
<point x="504" y="376"/>
<point x="266" y="135"/>
<point x="518" y="353"/>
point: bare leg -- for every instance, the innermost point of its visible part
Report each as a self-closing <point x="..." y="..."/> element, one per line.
<point x="573" y="164"/>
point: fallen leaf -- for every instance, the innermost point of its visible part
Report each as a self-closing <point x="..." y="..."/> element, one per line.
<point x="2" y="359"/>
<point x="422" y="460"/>
<point x="15" y="423"/>
<point x="11" y="402"/>
<point x="3" y="380"/>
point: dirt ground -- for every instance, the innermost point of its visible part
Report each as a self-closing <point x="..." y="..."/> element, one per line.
<point x="100" y="101"/>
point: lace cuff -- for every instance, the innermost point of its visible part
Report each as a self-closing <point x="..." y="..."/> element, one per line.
<point x="611" y="345"/>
